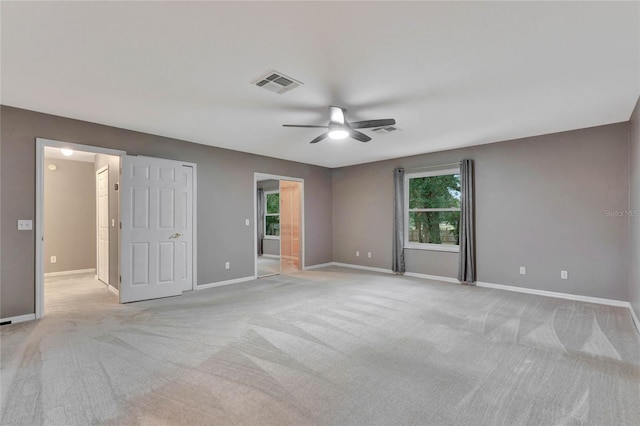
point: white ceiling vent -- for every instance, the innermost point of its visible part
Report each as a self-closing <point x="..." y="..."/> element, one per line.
<point x="275" y="81"/>
<point x="385" y="130"/>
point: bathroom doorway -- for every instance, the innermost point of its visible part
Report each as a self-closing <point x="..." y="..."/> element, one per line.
<point x="278" y="225"/>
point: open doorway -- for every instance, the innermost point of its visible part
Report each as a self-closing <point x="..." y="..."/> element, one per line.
<point x="150" y="237"/>
<point x="279" y="232"/>
<point x="80" y="212"/>
<point x="268" y="219"/>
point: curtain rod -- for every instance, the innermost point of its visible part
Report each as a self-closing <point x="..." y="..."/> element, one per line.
<point x="413" y="169"/>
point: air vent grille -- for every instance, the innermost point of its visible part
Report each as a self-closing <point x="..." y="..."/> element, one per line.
<point x="275" y="81"/>
<point x="385" y="130"/>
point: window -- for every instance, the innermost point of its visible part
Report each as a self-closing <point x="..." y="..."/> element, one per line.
<point x="272" y="214"/>
<point x="432" y="210"/>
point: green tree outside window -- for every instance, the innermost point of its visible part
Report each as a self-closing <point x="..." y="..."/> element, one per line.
<point x="434" y="209"/>
<point x="272" y="215"/>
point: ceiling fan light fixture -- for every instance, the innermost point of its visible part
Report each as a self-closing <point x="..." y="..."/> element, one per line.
<point x="339" y="128"/>
<point x="338" y="134"/>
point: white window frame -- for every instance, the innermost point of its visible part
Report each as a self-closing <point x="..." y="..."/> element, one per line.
<point x="426" y="246"/>
<point x="269" y="237"/>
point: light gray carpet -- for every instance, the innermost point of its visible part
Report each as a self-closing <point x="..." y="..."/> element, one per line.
<point x="331" y="346"/>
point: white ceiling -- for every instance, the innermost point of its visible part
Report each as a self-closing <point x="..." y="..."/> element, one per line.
<point x="56" y="153"/>
<point x="452" y="74"/>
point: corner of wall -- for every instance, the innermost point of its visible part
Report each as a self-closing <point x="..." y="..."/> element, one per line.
<point x="634" y="211"/>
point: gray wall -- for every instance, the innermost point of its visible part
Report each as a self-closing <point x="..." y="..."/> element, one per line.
<point x="69" y="215"/>
<point x="114" y="213"/>
<point x="634" y="220"/>
<point x="271" y="247"/>
<point x="225" y="198"/>
<point x="540" y="203"/>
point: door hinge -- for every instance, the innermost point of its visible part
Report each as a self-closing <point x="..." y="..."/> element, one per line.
<point x="120" y="278"/>
<point x="120" y="225"/>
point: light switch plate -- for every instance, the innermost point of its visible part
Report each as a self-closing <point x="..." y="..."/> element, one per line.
<point x="25" y="225"/>
<point x="246" y="222"/>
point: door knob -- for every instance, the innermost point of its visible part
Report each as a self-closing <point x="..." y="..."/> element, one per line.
<point x="176" y="235"/>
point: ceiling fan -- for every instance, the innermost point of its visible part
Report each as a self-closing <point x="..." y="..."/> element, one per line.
<point x="339" y="128"/>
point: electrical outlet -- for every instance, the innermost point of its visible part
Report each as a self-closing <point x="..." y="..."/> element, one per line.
<point x="369" y="254"/>
<point x="227" y="265"/>
<point x="54" y="259"/>
<point x="25" y="225"/>
<point x="523" y="270"/>
<point x="564" y="275"/>
<point x="357" y="253"/>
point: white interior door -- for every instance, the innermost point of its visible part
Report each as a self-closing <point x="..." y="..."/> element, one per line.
<point x="157" y="228"/>
<point x="103" y="225"/>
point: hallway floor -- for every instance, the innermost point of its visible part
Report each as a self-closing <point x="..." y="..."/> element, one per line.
<point x="73" y="293"/>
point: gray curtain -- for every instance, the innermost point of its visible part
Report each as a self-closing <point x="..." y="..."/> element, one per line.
<point x="467" y="265"/>
<point x="398" y="222"/>
<point x="260" y="219"/>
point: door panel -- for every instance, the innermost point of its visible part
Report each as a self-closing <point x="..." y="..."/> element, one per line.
<point x="157" y="228"/>
<point x="139" y="263"/>
<point x="167" y="208"/>
<point x="103" y="226"/>
<point x="290" y="221"/>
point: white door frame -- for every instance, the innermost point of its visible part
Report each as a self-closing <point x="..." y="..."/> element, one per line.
<point x="102" y="170"/>
<point x="257" y="176"/>
<point x="39" y="234"/>
<point x="194" y="230"/>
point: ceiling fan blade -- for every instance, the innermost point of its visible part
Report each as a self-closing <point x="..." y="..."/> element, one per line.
<point x="321" y="137"/>
<point x="336" y="115"/>
<point x="359" y="136"/>
<point x="305" y="125"/>
<point x="372" y="123"/>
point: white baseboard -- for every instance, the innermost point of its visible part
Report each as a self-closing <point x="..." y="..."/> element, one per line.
<point x="432" y="277"/>
<point x="320" y="265"/>
<point x="73" y="272"/>
<point x="588" y="299"/>
<point x="227" y="282"/>
<point x="113" y="290"/>
<point x="364" y="268"/>
<point x="19" y="318"/>
<point x="271" y="256"/>
<point x="384" y="271"/>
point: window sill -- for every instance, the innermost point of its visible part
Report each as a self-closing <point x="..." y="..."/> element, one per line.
<point x="270" y="237"/>
<point x="433" y="247"/>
